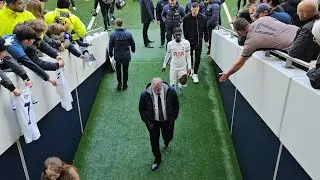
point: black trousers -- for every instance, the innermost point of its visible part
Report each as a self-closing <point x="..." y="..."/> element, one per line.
<point x="162" y="33"/>
<point x="105" y="10"/>
<point x="145" y="33"/>
<point x="166" y="128"/>
<point x="197" y="48"/>
<point x="122" y="73"/>
<point x="112" y="9"/>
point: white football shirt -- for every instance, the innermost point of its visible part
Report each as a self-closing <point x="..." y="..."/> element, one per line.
<point x="26" y="115"/>
<point x="63" y="90"/>
<point x="179" y="53"/>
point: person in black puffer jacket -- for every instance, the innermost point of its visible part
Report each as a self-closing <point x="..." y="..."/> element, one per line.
<point x="290" y="7"/>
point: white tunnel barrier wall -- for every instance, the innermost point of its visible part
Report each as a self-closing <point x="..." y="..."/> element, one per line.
<point x="287" y="108"/>
<point x="48" y="99"/>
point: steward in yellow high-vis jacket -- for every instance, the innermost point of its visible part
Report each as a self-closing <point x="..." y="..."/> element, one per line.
<point x="12" y="14"/>
<point x="63" y="16"/>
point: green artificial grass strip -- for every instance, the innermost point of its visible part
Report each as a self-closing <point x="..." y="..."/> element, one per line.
<point x="115" y="144"/>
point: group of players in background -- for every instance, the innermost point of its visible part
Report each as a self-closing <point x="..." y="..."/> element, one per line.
<point x="198" y="20"/>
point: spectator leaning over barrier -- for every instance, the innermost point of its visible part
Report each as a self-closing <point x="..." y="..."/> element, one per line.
<point x="77" y="28"/>
<point x="55" y="169"/>
<point x="12" y="14"/>
<point x="36" y="7"/>
<point x="6" y="61"/>
<point x="120" y="43"/>
<point x="265" y="9"/>
<point x="265" y="33"/>
<point x="304" y="47"/>
<point x="25" y="36"/>
<point x="275" y="5"/>
<point x="40" y="27"/>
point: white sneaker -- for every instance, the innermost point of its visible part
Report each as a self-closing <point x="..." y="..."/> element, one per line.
<point x="195" y="78"/>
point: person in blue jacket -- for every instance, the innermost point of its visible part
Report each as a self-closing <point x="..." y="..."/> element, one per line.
<point x="23" y="37"/>
<point x="172" y="15"/>
<point x="120" y="43"/>
<point x="147" y="16"/>
<point x="213" y="17"/>
<point x="159" y="8"/>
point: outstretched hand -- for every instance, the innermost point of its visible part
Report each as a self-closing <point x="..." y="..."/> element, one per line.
<point x="224" y="76"/>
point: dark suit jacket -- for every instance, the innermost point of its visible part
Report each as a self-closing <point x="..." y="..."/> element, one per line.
<point x="147" y="11"/>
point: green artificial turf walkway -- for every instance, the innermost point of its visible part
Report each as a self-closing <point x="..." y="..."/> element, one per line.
<point x="115" y="144"/>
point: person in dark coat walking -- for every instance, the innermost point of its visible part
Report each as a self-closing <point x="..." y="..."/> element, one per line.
<point x="172" y="15"/>
<point x="147" y="16"/>
<point x="195" y="28"/>
<point x="119" y="47"/>
<point x="159" y="8"/>
<point x="159" y="108"/>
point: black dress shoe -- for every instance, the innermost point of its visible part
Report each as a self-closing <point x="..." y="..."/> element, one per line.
<point x="125" y="87"/>
<point x="148" y="46"/>
<point x="119" y="87"/>
<point x="149" y="41"/>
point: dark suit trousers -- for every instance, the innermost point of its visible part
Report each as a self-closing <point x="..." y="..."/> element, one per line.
<point x="197" y="48"/>
<point x="145" y="33"/>
<point x="162" y="32"/>
<point x="167" y="135"/>
<point x="122" y="73"/>
<point x="105" y="14"/>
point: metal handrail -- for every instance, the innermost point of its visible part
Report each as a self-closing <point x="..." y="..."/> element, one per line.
<point x="289" y="59"/>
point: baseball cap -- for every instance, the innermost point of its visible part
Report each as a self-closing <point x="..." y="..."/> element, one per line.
<point x="3" y="45"/>
<point x="262" y="7"/>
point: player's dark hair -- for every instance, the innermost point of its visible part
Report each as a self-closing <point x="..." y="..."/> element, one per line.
<point x="11" y="1"/>
<point x="24" y="32"/>
<point x="240" y="24"/>
<point x="177" y="29"/>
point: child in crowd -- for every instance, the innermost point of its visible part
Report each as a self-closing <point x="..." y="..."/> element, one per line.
<point x="57" y="31"/>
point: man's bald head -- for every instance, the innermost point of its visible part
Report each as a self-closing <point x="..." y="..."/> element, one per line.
<point x="307" y="9"/>
<point x="156" y="85"/>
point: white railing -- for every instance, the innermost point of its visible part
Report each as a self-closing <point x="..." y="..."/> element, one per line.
<point x="77" y="71"/>
<point x="283" y="97"/>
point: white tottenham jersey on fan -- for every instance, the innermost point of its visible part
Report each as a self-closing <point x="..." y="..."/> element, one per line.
<point x="63" y="90"/>
<point x="26" y="115"/>
<point x="179" y="53"/>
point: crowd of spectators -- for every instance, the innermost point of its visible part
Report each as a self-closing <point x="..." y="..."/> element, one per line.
<point x="273" y="25"/>
<point x="27" y="32"/>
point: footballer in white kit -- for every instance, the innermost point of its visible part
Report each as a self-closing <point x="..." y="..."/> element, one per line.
<point x="180" y="65"/>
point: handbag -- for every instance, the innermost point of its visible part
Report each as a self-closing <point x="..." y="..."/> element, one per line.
<point x="120" y="4"/>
